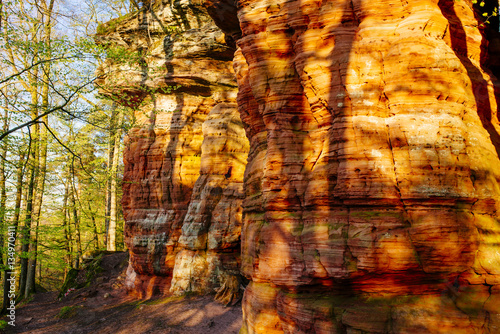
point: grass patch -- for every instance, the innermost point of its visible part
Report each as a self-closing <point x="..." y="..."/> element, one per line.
<point x="111" y="26"/>
<point x="67" y="312"/>
<point x="23" y="301"/>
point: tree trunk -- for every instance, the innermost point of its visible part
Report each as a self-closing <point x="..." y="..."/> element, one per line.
<point x="111" y="245"/>
<point x="76" y="221"/>
<point x="15" y="224"/>
<point x="42" y="162"/>
<point x="94" y="227"/>
<point x="3" y="192"/>
<point x="38" y="200"/>
<point x="37" y="207"/>
<point x="111" y="142"/>
<point x="67" y="230"/>
<point x="34" y="160"/>
<point x="25" y="239"/>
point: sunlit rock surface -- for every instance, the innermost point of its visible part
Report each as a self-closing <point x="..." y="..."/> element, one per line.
<point x="372" y="186"/>
<point x="186" y="153"/>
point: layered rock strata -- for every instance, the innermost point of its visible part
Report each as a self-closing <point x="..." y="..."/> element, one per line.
<point x="372" y="185"/>
<point x="186" y="151"/>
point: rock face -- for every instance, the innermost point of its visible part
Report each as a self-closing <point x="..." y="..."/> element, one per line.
<point x="186" y="153"/>
<point x="372" y="185"/>
<point x="370" y="201"/>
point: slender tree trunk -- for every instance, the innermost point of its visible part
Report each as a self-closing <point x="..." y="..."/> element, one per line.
<point x="34" y="171"/>
<point x="111" y="146"/>
<point x="67" y="230"/>
<point x="111" y="245"/>
<point x="33" y="249"/>
<point x="47" y="36"/>
<point x="38" y="199"/>
<point x="76" y="221"/>
<point x="40" y="186"/>
<point x="3" y="191"/>
<point x="107" y="210"/>
<point x="94" y="226"/>
<point x="37" y="208"/>
<point x="72" y="196"/>
<point x="15" y="224"/>
<point x="26" y="234"/>
<point x="40" y="270"/>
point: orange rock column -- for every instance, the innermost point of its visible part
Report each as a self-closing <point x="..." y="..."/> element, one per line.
<point x="186" y="151"/>
<point x="372" y="186"/>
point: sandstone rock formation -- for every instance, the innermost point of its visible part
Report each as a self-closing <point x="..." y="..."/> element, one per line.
<point x="370" y="201"/>
<point x="372" y="185"/>
<point x="186" y="153"/>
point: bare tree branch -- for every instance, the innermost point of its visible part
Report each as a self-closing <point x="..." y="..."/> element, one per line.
<point x="48" y="112"/>
<point x="69" y="150"/>
<point x="10" y="77"/>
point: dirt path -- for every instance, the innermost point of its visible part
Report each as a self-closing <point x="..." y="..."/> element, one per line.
<point x="105" y="308"/>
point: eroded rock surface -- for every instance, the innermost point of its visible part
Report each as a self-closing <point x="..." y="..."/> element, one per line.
<point x="372" y="186"/>
<point x="186" y="153"/>
<point x="371" y="194"/>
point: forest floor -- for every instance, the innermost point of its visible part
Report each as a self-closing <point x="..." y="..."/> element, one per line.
<point x="104" y="307"/>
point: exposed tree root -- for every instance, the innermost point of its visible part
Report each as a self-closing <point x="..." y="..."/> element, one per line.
<point x="230" y="292"/>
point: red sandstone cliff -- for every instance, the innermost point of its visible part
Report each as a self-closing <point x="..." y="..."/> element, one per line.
<point x="186" y="153"/>
<point x="371" y="195"/>
<point x="372" y="185"/>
